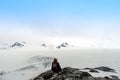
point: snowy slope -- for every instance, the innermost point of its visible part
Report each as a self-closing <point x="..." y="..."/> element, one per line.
<point x="23" y="63"/>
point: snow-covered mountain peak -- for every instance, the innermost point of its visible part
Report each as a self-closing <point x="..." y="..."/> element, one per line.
<point x="18" y="44"/>
<point x="43" y="45"/>
<point x="62" y="45"/>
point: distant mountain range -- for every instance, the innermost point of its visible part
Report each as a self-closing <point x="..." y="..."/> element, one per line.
<point x="59" y="46"/>
<point x="6" y="46"/>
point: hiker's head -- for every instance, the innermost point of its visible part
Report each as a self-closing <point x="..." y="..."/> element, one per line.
<point x="55" y="60"/>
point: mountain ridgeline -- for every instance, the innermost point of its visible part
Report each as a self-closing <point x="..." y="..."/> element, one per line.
<point x="15" y="45"/>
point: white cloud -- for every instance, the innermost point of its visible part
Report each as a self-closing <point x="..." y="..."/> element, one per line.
<point x="84" y="37"/>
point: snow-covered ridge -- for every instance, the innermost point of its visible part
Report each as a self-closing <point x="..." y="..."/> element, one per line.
<point x="33" y="62"/>
<point x="7" y="46"/>
<point x="38" y="64"/>
<point x="32" y="66"/>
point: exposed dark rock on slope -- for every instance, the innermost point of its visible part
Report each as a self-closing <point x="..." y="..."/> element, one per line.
<point x="69" y="73"/>
<point x="92" y="70"/>
<point x="102" y="68"/>
<point x="17" y="44"/>
<point x="62" y="45"/>
<point x="106" y="69"/>
<point x="43" y="45"/>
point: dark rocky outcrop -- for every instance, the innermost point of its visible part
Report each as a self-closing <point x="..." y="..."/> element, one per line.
<point x="69" y="73"/>
<point x="92" y="70"/>
<point x="66" y="73"/>
<point x="114" y="77"/>
<point x="106" y="69"/>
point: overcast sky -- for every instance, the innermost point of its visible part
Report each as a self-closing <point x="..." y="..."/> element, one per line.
<point x="88" y="22"/>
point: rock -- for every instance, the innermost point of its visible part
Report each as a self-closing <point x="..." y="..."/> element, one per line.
<point x="92" y="70"/>
<point x="114" y="77"/>
<point x="39" y="78"/>
<point x="44" y="45"/>
<point x="106" y="69"/>
<point x="45" y="75"/>
<point x="62" y="45"/>
<point x="17" y="44"/>
<point x="84" y="74"/>
<point x="69" y="73"/>
<point x="68" y="70"/>
<point x="106" y="77"/>
<point x="98" y="78"/>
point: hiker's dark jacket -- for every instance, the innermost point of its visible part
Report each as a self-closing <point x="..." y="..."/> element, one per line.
<point x="56" y="67"/>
